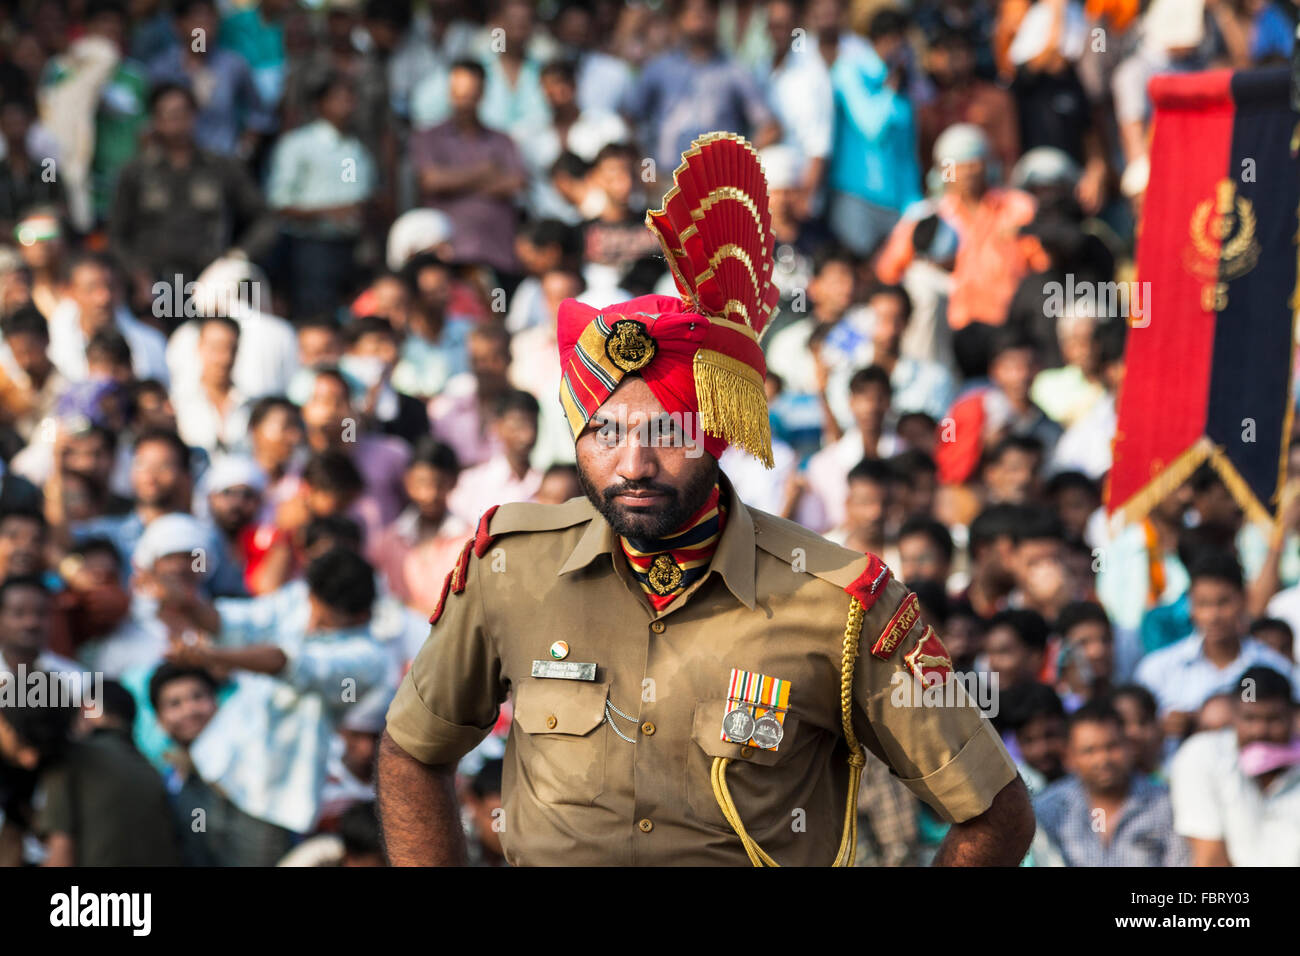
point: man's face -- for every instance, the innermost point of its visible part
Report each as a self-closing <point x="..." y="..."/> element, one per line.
<point x="1278" y="639"/>
<point x="318" y="346"/>
<point x="1010" y="659"/>
<point x="698" y="23"/>
<point x="1012" y="476"/>
<point x="464" y="90"/>
<point x="614" y="177"/>
<point x="1142" y="731"/>
<point x="1091" y="645"/>
<point x="185" y="705"/>
<point x="1217" y="608"/>
<point x="22" y="546"/>
<point x="1216" y="505"/>
<point x="1036" y="557"/>
<point x="428" y="489"/>
<point x="920" y="559"/>
<point x="890" y="322"/>
<point x="218" y="344"/>
<point x="173" y="119"/>
<point x="359" y="749"/>
<point x="1099" y="755"/>
<point x="277" y="435"/>
<point x="865" y="508"/>
<point x="328" y="405"/>
<point x="643" y="489"/>
<point x="1042" y="743"/>
<point x="89" y="456"/>
<point x="1013" y="372"/>
<point x="392" y="300"/>
<point x="338" y="105"/>
<point x="780" y="23"/>
<point x="559" y="92"/>
<point x="157" y="478"/>
<point x="1263" y="721"/>
<point x="91" y="288"/>
<point x="201" y="16"/>
<point x="29" y="353"/>
<point x="377" y="345"/>
<point x="869" y="406"/>
<point x="488" y="360"/>
<point x="24" y="622"/>
<point x="234" y="509"/>
<point x="1074" y="506"/>
<point x="154" y="410"/>
<point x="832" y="290"/>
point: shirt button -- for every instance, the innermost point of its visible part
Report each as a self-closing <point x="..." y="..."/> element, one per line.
<point x="648" y="729"/>
<point x="747" y="752"/>
<point x="645" y="826"/>
<point x="658" y="626"/>
<point x="551" y="722"/>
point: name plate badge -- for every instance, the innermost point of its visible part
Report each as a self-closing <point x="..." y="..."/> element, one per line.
<point x="565" y="670"/>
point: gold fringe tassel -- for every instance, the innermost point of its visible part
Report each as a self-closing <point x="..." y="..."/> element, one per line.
<point x="733" y="403"/>
<point x="1172" y="477"/>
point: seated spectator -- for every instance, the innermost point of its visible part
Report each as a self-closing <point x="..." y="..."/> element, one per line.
<point x="1075" y="498"/>
<point x="992" y="577"/>
<point x="211" y="410"/>
<point x="415" y="552"/>
<point x="1016" y="645"/>
<point x="34" y="384"/>
<point x="869" y="397"/>
<point x="870" y="485"/>
<point x="372" y="351"/>
<point x="925" y="550"/>
<point x="461" y="414"/>
<point x="1087" y="666"/>
<point x="1236" y="791"/>
<point x="435" y="347"/>
<point x="984" y="416"/>
<point x="25" y="609"/>
<point x="32" y="740"/>
<point x="1137" y="707"/>
<point x="258" y="558"/>
<point x="1104" y="813"/>
<point x="1032" y="723"/>
<point x="559" y="484"/>
<point x="1010" y="470"/>
<point x="1186" y="674"/>
<point x="1038" y="561"/>
<point x="1275" y="633"/>
<point x="507" y="475"/>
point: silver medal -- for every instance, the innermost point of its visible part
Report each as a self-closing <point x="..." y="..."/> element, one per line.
<point x="768" y="732"/>
<point x="738" y="725"/>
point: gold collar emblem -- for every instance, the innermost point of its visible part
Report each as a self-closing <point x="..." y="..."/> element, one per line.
<point x="629" y="345"/>
<point x="1223" y="245"/>
<point x="664" y="575"/>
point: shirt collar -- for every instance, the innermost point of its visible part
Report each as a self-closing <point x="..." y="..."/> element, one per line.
<point x="733" y="559"/>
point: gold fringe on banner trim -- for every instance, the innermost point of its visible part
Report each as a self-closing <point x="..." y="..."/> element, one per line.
<point x="733" y="403"/>
<point x="1168" y="481"/>
<point x="1237" y="487"/>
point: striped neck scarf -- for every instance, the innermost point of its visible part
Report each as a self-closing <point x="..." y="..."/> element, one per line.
<point x="667" y="566"/>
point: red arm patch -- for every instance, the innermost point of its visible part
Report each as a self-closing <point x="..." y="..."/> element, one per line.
<point x="908" y="613"/>
<point x="483" y="540"/>
<point x="460" y="573"/>
<point x="871" y="583"/>
<point x="929" y="658"/>
<point x="442" y="599"/>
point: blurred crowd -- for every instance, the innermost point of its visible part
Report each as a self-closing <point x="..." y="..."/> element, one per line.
<point x="278" y="288"/>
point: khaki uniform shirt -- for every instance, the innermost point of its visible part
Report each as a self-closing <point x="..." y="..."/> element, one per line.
<point x="575" y="792"/>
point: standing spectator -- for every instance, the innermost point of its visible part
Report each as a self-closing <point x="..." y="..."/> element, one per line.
<point x="694" y="89"/>
<point x="25" y="180"/>
<point x="1139" y="711"/>
<point x="866" y="504"/>
<point x="507" y="475"/>
<point x="1087" y="651"/>
<point x="177" y="208"/>
<point x="1183" y="676"/>
<point x="462" y="413"/>
<point x="184" y="700"/>
<point x="92" y="303"/>
<point x="1236" y="791"/>
<point x="1103" y="813"/>
<point x="473" y="174"/>
<point x="35" y="384"/>
<point x="320" y="181"/>
<point x="212" y="413"/>
<point x="1016" y="644"/>
<point x="963" y="97"/>
<point x="231" y="117"/>
<point x="798" y="90"/>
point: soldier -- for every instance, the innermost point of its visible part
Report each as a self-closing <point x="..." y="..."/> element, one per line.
<point x="694" y="681"/>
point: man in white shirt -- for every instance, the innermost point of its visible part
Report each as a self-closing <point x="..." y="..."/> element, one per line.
<point x="1236" y="791"/>
<point x="211" y="411"/>
<point x="90" y="305"/>
<point x="1211" y="661"/>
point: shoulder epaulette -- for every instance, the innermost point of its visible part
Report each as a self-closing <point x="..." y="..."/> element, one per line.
<point x="506" y="519"/>
<point x="824" y="559"/>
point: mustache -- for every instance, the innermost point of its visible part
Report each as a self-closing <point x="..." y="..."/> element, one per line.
<point x="631" y="486"/>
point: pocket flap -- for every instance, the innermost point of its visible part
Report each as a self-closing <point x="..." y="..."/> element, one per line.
<point x="551" y="706"/>
<point x="707" y="733"/>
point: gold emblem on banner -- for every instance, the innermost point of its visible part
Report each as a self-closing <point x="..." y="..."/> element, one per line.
<point x="664" y="575"/>
<point x="1223" y="245"/>
<point x="629" y="345"/>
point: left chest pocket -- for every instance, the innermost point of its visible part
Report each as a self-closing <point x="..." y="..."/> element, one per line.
<point x="561" y="746"/>
<point x="749" y="765"/>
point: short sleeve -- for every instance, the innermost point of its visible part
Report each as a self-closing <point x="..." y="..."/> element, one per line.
<point x="450" y="698"/>
<point x="935" y="740"/>
<point x="1193" y="793"/>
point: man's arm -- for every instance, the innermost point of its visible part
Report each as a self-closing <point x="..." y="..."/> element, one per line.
<point x="1208" y="852"/>
<point x="1000" y="836"/>
<point x="418" y="813"/>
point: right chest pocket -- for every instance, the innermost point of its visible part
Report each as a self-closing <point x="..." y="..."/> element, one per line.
<point x="561" y="745"/>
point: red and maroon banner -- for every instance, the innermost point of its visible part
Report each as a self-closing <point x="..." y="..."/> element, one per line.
<point x="1208" y="361"/>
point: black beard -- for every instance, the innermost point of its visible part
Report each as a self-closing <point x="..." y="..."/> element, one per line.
<point x="646" y="523"/>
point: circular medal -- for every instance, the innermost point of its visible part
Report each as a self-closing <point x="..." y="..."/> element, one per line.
<point x="768" y="732"/>
<point x="560" y="650"/>
<point x="738" y="725"/>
